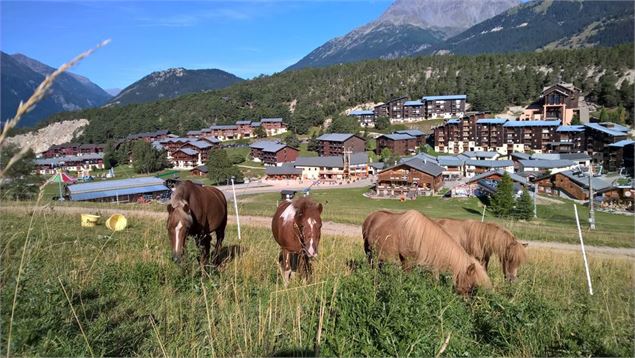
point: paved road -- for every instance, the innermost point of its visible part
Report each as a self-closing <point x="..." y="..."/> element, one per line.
<point x="328" y="228"/>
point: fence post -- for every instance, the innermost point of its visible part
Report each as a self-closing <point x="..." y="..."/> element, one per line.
<point x="586" y="263"/>
<point x="236" y="208"/>
<point x="483" y="216"/>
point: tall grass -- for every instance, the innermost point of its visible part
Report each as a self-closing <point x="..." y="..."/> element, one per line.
<point x="130" y="299"/>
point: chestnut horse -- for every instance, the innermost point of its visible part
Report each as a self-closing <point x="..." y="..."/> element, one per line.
<point x="481" y="240"/>
<point x="197" y="211"/>
<point x="411" y="238"/>
<point x="297" y="227"/>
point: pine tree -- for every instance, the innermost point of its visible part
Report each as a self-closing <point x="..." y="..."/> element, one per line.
<point x="502" y="203"/>
<point x="146" y="159"/>
<point x="524" y="209"/>
<point x="292" y="140"/>
<point x="220" y="168"/>
<point x="313" y="144"/>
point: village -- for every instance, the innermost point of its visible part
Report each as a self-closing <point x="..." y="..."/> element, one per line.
<point x="465" y="155"/>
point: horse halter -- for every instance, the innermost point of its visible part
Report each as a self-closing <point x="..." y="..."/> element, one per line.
<point x="300" y="237"/>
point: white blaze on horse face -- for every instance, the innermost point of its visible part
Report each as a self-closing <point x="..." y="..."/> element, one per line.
<point x="288" y="215"/>
<point x="177" y="234"/>
<point x="311" y="223"/>
<point x="311" y="250"/>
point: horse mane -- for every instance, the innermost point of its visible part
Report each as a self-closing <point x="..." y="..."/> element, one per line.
<point x="497" y="239"/>
<point x="180" y="194"/>
<point x="304" y="204"/>
<point x="440" y="249"/>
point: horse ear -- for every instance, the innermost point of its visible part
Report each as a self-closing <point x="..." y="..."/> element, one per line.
<point x="186" y="208"/>
<point x="471" y="269"/>
<point x="170" y="208"/>
<point x="525" y="244"/>
<point x="320" y="208"/>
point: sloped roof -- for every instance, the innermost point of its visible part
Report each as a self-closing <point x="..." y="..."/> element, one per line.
<point x="558" y="156"/>
<point x="263" y="144"/>
<point x="582" y="179"/>
<point x="397" y="136"/>
<point x="571" y="128"/>
<point x="271" y="120"/>
<point x="200" y="144"/>
<point x="546" y="163"/>
<point x="521" y="155"/>
<point x="489" y="163"/>
<point x="622" y="143"/>
<point x="453" y="121"/>
<point x="531" y="123"/>
<point x="418" y="164"/>
<point x="412" y="132"/>
<point x="491" y="121"/>
<point x="444" y="98"/>
<point x="243" y="122"/>
<point x="202" y="168"/>
<point x="615" y="126"/>
<point x="331" y="161"/>
<point x="69" y="158"/>
<point x="480" y="153"/>
<point x="450" y="160"/>
<point x="515" y="177"/>
<point x="413" y="103"/>
<point x="335" y="137"/>
<point x="361" y="112"/>
<point x="283" y="170"/>
<point x="601" y="128"/>
<point x="114" y="184"/>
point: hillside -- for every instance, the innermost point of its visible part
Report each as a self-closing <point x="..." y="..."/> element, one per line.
<point x="405" y="28"/>
<point x="543" y="24"/>
<point x="172" y="83"/>
<point x="491" y="82"/>
<point x="20" y="75"/>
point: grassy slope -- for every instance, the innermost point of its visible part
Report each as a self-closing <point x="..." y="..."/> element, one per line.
<point x="130" y="299"/>
<point x="556" y="222"/>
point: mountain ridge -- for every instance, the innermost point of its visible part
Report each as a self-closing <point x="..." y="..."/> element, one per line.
<point x="173" y="82"/>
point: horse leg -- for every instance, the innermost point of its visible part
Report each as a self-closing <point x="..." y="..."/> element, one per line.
<point x="204" y="243"/>
<point x="369" y="254"/>
<point x="285" y="266"/>
<point x="485" y="262"/>
<point x="220" y="236"/>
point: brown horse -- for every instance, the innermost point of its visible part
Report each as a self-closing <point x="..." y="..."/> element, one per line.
<point x="411" y="238"/>
<point x="297" y="227"/>
<point x="197" y="211"/>
<point x="482" y="240"/>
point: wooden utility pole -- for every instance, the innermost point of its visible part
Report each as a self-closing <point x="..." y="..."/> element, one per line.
<point x="591" y="196"/>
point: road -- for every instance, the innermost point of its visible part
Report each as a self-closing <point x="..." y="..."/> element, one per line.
<point x="328" y="228"/>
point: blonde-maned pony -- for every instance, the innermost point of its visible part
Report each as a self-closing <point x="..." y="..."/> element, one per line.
<point x="411" y="238"/>
<point x="482" y="240"/>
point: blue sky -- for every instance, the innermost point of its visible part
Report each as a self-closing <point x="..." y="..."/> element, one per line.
<point x="244" y="37"/>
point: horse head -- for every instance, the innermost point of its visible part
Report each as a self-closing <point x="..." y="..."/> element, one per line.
<point x="473" y="276"/>
<point x="179" y="223"/>
<point x="515" y="255"/>
<point x="309" y="226"/>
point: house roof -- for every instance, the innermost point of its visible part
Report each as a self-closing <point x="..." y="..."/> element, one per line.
<point x="558" y="156"/>
<point x="546" y="163"/>
<point x="453" y="121"/>
<point x="489" y="163"/>
<point x="515" y="177"/>
<point x="114" y="185"/>
<point x="615" y="126"/>
<point x="361" y="112"/>
<point x="201" y="168"/>
<point x="480" y="154"/>
<point x="397" y="136"/>
<point x="520" y="155"/>
<point x="188" y="151"/>
<point x="622" y="143"/>
<point x="271" y="120"/>
<point x="331" y="161"/>
<point x="442" y="98"/>
<point x="210" y="139"/>
<point x="335" y="137"/>
<point x="283" y="170"/>
<point x="412" y="132"/>
<point x="255" y="124"/>
<point x="603" y="129"/>
<point x="243" y="122"/>
<point x="224" y="126"/>
<point x="413" y="103"/>
<point x="491" y="121"/>
<point x="193" y="132"/>
<point x="531" y="124"/>
<point x="582" y="179"/>
<point x="176" y="140"/>
<point x="571" y="128"/>
<point x="200" y="144"/>
<point x="55" y="161"/>
<point x="450" y="161"/>
<point x="425" y="167"/>
<point x="263" y="144"/>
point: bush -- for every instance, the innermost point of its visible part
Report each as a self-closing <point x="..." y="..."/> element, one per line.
<point x="237" y="158"/>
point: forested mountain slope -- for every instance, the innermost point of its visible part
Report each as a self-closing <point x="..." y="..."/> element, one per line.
<point x="306" y="97"/>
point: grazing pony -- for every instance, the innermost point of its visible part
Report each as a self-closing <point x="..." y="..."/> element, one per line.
<point x="297" y="227"/>
<point x="411" y="238"/>
<point x="197" y="211"/>
<point x="481" y="240"/>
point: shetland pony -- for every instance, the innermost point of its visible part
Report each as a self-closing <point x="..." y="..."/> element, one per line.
<point x="197" y="211"/>
<point x="411" y="238"/>
<point x="297" y="227"/>
<point x="481" y="240"/>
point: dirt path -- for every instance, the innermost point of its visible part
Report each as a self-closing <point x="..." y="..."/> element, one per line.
<point x="328" y="228"/>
